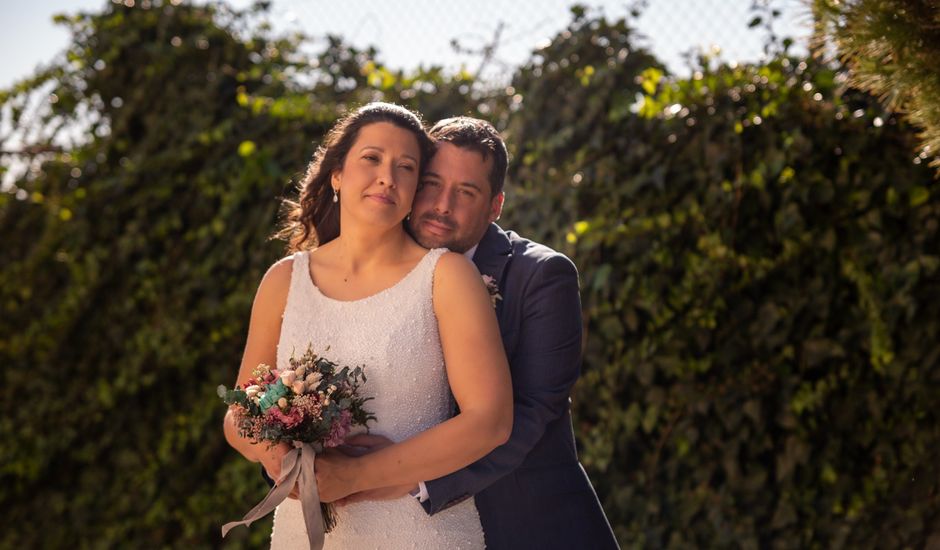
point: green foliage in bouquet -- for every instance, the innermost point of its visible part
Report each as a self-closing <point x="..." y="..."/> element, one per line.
<point x="238" y="397"/>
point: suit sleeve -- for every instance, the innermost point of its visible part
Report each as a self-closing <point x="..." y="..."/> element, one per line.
<point x="545" y="365"/>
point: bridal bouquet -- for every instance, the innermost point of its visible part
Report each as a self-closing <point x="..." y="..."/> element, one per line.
<point x="312" y="404"/>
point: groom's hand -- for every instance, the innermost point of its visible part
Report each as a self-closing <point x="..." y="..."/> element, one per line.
<point x="336" y="473"/>
<point x="362" y="444"/>
<point x="382" y="493"/>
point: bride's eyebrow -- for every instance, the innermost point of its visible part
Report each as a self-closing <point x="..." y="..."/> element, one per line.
<point x="381" y="150"/>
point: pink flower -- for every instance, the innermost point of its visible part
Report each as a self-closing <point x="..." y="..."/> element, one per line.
<point x="339" y="430"/>
<point x="291" y="418"/>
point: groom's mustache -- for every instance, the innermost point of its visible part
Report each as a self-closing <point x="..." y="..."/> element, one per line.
<point x="443" y="220"/>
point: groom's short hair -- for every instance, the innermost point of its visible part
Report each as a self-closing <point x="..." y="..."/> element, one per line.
<point x="476" y="135"/>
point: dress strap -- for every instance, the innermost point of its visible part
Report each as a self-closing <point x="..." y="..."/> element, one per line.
<point x="430" y="261"/>
<point x="435" y="254"/>
<point x="300" y="273"/>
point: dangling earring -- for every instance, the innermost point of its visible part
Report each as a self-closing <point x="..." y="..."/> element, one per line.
<point x="335" y="195"/>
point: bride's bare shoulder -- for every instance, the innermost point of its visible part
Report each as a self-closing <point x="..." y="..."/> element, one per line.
<point x="276" y="281"/>
<point x="454" y="274"/>
<point x="452" y="263"/>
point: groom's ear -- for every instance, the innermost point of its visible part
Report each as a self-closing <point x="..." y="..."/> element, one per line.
<point x="496" y="206"/>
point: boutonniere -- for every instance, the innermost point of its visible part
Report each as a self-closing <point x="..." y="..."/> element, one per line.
<point x="492" y="288"/>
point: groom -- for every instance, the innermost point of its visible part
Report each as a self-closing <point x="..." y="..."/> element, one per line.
<point x="531" y="492"/>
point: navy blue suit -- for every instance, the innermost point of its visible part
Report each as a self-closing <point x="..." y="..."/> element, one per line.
<point x="532" y="492"/>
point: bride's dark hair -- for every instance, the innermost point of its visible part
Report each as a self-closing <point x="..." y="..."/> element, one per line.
<point x="313" y="220"/>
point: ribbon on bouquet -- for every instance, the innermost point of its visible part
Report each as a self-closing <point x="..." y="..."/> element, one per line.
<point x="296" y="468"/>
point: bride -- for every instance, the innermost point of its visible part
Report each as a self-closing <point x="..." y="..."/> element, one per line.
<point x="362" y="292"/>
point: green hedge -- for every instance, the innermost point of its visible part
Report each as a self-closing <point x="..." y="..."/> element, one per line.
<point x="760" y="280"/>
<point x="760" y="299"/>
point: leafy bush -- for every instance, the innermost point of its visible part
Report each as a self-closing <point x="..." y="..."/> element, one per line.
<point x="892" y="50"/>
<point x="759" y="261"/>
<point x="758" y="258"/>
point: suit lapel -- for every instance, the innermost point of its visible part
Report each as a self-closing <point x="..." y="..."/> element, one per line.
<point x="492" y="256"/>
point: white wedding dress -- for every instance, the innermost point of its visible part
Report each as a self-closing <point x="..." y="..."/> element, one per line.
<point x="394" y="335"/>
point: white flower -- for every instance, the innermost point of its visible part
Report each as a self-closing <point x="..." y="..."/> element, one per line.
<point x="492" y="288"/>
<point x="288" y="377"/>
<point x="282" y="402"/>
<point x="313" y="379"/>
<point x="300" y="371"/>
<point x="299" y="387"/>
<point x="252" y="391"/>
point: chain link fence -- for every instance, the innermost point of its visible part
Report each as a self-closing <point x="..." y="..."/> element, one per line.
<point x="491" y="38"/>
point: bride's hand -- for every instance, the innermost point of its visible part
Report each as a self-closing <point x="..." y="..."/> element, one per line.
<point x="271" y="461"/>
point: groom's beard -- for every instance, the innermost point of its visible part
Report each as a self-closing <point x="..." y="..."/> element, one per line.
<point x="441" y="219"/>
<point x="452" y="241"/>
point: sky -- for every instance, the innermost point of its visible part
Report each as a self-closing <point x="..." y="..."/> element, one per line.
<point x="409" y="33"/>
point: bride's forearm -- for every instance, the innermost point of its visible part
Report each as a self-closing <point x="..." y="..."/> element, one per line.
<point x="237" y="442"/>
<point x="440" y="450"/>
<point x="269" y="456"/>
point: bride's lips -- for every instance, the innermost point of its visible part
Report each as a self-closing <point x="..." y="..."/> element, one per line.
<point x="384" y="199"/>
